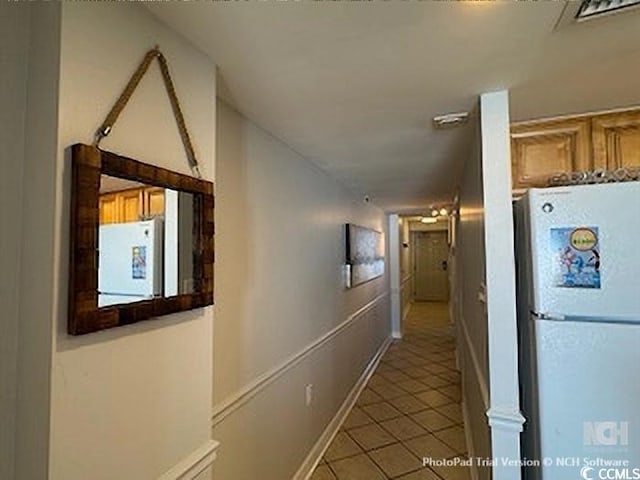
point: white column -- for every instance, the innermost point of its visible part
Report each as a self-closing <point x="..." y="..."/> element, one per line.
<point x="504" y="414"/>
<point x="394" y="275"/>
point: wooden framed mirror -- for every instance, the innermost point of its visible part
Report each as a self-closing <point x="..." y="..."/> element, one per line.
<point x="141" y="241"/>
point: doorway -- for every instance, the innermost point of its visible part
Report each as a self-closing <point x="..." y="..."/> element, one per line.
<point x="430" y="266"/>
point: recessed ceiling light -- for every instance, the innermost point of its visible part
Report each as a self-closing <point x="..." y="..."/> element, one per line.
<point x="450" y="120"/>
<point x="444" y="211"/>
<point x="434" y="212"/>
<point x="428" y="220"/>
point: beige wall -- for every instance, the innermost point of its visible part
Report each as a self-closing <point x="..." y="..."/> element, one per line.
<point x="471" y="319"/>
<point x="131" y="402"/>
<point x="279" y="256"/>
<point x="14" y="37"/>
<point x="37" y="245"/>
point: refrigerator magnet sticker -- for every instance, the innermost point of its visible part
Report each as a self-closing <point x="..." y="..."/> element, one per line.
<point x="576" y="257"/>
<point x="139" y="263"/>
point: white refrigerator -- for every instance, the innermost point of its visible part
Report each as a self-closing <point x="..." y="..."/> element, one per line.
<point x="579" y="329"/>
<point x="130" y="262"/>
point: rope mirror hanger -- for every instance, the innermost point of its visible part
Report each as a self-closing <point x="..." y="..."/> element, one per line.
<point x="116" y="110"/>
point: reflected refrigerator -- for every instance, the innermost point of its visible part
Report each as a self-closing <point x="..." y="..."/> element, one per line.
<point x="130" y="262"/>
<point x="579" y="327"/>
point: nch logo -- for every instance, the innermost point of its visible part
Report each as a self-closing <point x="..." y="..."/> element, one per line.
<point x="606" y="433"/>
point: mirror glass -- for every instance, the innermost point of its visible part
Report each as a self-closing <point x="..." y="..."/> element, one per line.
<point x="145" y="242"/>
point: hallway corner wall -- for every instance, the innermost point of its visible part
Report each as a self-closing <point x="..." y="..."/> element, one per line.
<point x="471" y="321"/>
<point x="133" y="401"/>
<point x="14" y="36"/>
<point x="284" y="319"/>
<point x="37" y="264"/>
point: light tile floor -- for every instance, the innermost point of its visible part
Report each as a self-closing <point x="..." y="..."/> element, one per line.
<point x="410" y="409"/>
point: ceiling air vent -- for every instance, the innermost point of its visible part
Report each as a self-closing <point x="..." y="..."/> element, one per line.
<point x="450" y="120"/>
<point x="575" y="12"/>
<point x="595" y="8"/>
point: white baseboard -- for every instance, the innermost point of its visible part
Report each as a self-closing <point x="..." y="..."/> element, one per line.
<point x="194" y="464"/>
<point x="308" y="466"/>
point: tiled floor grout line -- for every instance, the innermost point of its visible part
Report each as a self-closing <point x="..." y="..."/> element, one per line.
<point x="424" y="349"/>
<point x="397" y="440"/>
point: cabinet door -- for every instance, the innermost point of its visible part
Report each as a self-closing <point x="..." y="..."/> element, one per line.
<point x="616" y="140"/>
<point x="108" y="208"/>
<point x="154" y="202"/>
<point x="130" y="205"/>
<point x="542" y="149"/>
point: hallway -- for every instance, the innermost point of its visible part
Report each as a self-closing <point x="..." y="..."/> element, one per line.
<point x="409" y="410"/>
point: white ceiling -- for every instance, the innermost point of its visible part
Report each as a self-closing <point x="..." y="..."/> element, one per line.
<point x="353" y="86"/>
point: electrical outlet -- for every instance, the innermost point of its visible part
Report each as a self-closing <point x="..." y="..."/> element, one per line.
<point x="308" y="394"/>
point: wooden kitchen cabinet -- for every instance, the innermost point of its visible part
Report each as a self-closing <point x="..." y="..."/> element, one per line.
<point x="616" y="140"/>
<point x="109" y="208"/>
<point x="153" y="201"/>
<point x="131" y="205"/>
<point x="542" y="149"/>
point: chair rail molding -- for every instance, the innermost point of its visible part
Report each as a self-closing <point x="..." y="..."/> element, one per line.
<point x="194" y="464"/>
<point x="506" y="420"/>
<point x="232" y="403"/>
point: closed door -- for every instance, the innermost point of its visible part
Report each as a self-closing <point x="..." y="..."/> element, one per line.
<point x="431" y="279"/>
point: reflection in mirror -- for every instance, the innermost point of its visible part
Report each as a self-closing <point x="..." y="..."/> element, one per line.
<point x="145" y="242"/>
<point x="141" y="241"/>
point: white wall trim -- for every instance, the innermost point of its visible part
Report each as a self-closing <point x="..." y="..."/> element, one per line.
<point x="235" y="401"/>
<point x="509" y="421"/>
<point x="469" y="439"/>
<point x="194" y="464"/>
<point x="308" y="466"/>
<point x="480" y="378"/>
